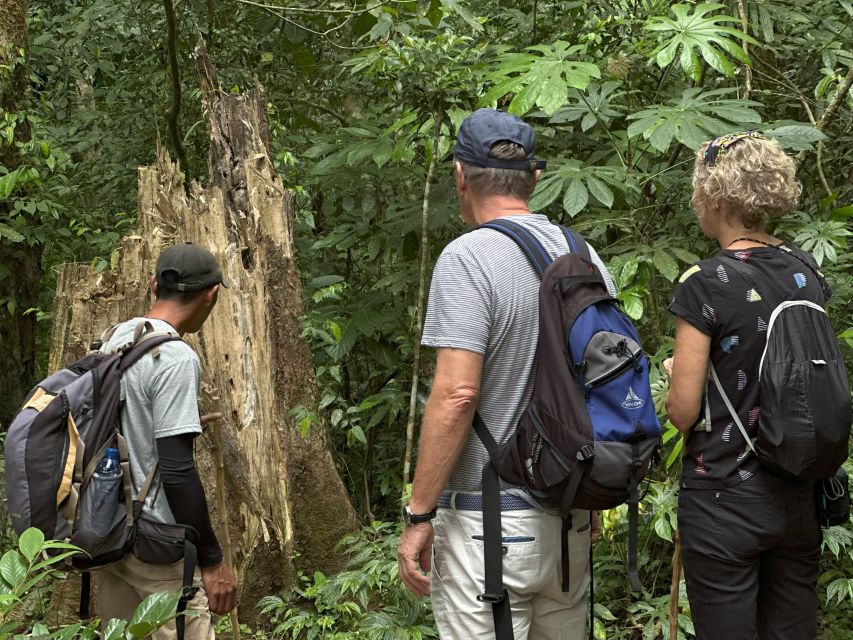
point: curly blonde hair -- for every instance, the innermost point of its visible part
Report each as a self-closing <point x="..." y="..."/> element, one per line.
<point x="755" y="177"/>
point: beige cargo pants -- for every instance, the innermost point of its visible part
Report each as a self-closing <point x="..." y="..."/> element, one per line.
<point x="122" y="586"/>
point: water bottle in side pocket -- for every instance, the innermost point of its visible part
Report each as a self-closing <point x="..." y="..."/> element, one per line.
<point x="106" y="489"/>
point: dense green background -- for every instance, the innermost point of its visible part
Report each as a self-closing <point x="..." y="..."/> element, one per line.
<point x="362" y="97"/>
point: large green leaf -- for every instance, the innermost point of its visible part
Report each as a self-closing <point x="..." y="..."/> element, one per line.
<point x="10" y="234"/>
<point x="690" y="35"/>
<point x="8" y="183"/>
<point x="542" y="78"/>
<point x="797" y="136"/>
<point x="31" y="543"/>
<point x="546" y="192"/>
<point x="12" y="568"/>
<point x="697" y="116"/>
<point x="114" y="630"/>
<point x="152" y="613"/>
<point x="600" y="191"/>
<point x="597" y="104"/>
<point x="665" y="264"/>
<point x="575" y="198"/>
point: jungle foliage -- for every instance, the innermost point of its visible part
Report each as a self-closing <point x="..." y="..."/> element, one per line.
<point x="364" y="97"/>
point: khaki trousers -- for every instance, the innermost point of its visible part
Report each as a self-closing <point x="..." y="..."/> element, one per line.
<point x="531" y="574"/>
<point x="122" y="586"/>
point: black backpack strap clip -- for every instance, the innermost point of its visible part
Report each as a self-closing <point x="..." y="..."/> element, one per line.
<point x="633" y="514"/>
<point x="585" y="454"/>
<point x="494" y="592"/>
<point x="188" y="590"/>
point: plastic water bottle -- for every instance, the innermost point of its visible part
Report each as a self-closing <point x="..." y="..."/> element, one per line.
<point x="106" y="487"/>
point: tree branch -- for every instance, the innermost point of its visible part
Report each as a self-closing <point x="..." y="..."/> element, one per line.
<point x="174" y="73"/>
<point x="837" y="99"/>
<point x="277" y="11"/>
<point x="745" y="46"/>
<point x="353" y="11"/>
<point x="786" y="82"/>
<point x="675" y="588"/>
<point x="210" y="25"/>
<point x="410" y="424"/>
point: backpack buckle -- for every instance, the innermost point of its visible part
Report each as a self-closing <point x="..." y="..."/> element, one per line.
<point x="586" y="452"/>
<point x="491" y="598"/>
<point x="188" y="593"/>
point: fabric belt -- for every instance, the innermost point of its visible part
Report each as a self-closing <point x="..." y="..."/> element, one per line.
<point x="474" y="502"/>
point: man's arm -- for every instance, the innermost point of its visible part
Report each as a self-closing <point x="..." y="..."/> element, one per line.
<point x="446" y="423"/>
<point x="188" y="504"/>
<point x="174" y="408"/>
<point x="185" y="494"/>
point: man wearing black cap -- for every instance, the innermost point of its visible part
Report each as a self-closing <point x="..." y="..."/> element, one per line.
<point x="482" y="318"/>
<point x="160" y="420"/>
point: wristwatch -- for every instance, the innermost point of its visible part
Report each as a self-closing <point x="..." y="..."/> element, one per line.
<point x="417" y="518"/>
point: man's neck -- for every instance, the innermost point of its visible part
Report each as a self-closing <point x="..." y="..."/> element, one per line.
<point x="494" y="207"/>
<point x="170" y="313"/>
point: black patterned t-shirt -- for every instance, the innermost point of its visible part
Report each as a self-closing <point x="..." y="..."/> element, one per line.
<point x="716" y="299"/>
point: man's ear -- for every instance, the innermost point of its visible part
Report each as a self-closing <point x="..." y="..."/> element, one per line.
<point x="536" y="175"/>
<point x="152" y="284"/>
<point x="460" y="177"/>
<point x="210" y="295"/>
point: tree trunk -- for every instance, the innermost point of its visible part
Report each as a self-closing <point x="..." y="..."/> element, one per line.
<point x="284" y="494"/>
<point x="13" y="37"/>
<point x="20" y="263"/>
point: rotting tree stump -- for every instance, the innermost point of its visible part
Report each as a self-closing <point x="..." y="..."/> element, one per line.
<point x="287" y="506"/>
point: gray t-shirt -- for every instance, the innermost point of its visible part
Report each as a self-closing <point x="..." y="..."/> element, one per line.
<point x="484" y="297"/>
<point x="161" y="400"/>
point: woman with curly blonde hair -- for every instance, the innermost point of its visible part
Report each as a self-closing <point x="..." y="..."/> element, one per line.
<point x="750" y="539"/>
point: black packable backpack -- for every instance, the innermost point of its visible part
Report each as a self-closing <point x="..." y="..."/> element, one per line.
<point x="804" y="394"/>
<point x="590" y="432"/>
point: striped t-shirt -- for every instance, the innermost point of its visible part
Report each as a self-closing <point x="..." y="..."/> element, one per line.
<point x="484" y="297"/>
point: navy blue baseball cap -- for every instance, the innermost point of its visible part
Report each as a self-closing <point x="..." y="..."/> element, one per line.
<point x="485" y="127"/>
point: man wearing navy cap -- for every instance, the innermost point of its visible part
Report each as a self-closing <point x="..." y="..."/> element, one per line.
<point x="482" y="319"/>
<point x="160" y="420"/>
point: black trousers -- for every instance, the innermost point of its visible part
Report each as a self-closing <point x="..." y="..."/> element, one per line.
<point x="750" y="557"/>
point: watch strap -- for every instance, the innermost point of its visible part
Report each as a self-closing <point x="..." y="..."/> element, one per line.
<point x="418" y="518"/>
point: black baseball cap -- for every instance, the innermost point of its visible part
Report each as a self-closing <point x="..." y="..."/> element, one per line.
<point x="485" y="127"/>
<point x="188" y="267"/>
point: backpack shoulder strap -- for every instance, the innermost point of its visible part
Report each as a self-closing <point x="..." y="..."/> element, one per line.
<point x="527" y="242"/>
<point x="577" y="243"/>
<point x="147" y="342"/>
<point x="730" y="408"/>
<point x="807" y="259"/>
<point x="99" y="342"/>
<point x="747" y="274"/>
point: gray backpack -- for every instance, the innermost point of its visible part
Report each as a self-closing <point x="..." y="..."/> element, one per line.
<point x="53" y="447"/>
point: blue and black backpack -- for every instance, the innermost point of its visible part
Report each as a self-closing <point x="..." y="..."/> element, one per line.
<point x="590" y="432"/>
